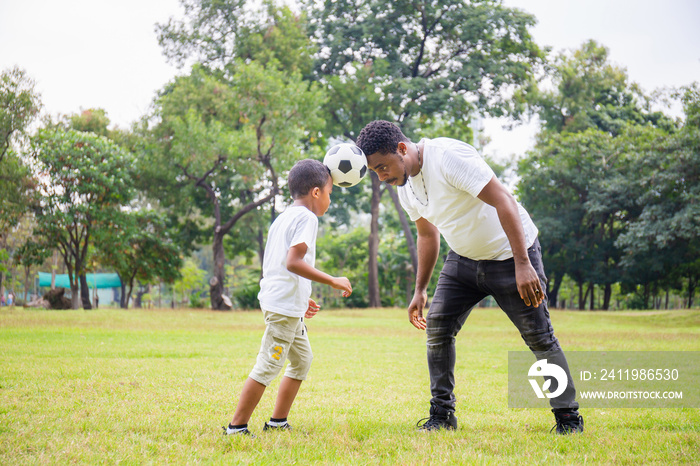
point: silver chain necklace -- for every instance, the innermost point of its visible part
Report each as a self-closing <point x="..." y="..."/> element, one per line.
<point x="410" y="185"/>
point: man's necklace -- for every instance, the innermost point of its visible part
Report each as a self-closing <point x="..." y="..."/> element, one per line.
<point x="410" y="185"/>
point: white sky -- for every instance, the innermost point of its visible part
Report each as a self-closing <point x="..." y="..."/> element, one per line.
<point x="657" y="41"/>
<point x="97" y="53"/>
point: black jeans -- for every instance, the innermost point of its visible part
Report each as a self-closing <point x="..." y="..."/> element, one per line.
<point x="462" y="284"/>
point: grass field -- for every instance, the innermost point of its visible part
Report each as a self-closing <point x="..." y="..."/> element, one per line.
<point x="155" y="387"/>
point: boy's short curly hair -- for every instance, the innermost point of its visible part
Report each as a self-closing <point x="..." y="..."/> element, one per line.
<point x="380" y="136"/>
<point x="306" y="175"/>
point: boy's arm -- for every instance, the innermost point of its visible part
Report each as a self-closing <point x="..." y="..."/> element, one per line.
<point x="296" y="264"/>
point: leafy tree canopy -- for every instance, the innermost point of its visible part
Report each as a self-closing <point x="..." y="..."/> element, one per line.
<point x="216" y="33"/>
<point x="19" y="105"/>
<point x="424" y="58"/>
<point x="85" y="179"/>
<point x="591" y="92"/>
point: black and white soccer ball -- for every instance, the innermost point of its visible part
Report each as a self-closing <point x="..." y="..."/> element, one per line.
<point x="347" y="163"/>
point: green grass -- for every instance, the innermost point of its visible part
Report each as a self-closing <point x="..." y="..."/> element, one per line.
<point x="155" y="387"/>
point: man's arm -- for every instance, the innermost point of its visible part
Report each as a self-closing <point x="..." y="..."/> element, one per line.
<point x="428" y="250"/>
<point x="496" y="195"/>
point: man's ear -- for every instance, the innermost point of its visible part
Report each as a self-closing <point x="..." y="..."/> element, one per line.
<point x="402" y="148"/>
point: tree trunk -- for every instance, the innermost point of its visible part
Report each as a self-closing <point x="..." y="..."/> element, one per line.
<point x="553" y="287"/>
<point x="219" y="301"/>
<point x="53" y="269"/>
<point x="373" y="272"/>
<point x="691" y="290"/>
<point x="607" y="294"/>
<point x="75" y="296"/>
<point x="130" y="289"/>
<point x="122" y="298"/>
<point x="85" y="292"/>
<point x="646" y="296"/>
<point x="591" y="287"/>
<point x="581" y="298"/>
<point x="26" y="284"/>
<point x="216" y="283"/>
<point x="138" y="303"/>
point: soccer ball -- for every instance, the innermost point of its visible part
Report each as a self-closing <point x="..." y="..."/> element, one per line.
<point x="347" y="163"/>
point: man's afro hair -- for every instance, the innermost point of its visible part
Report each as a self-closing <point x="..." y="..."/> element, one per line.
<point x="380" y="136"/>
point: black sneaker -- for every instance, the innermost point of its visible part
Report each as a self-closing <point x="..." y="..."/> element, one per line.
<point x="243" y="431"/>
<point x="438" y="421"/>
<point x="284" y="426"/>
<point x="568" y="423"/>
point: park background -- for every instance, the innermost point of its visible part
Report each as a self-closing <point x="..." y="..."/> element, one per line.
<point x="160" y="153"/>
<point x="178" y="201"/>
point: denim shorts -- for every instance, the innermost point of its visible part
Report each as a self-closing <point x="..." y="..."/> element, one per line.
<point x="284" y="338"/>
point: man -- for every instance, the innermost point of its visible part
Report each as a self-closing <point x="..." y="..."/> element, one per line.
<point x="447" y="188"/>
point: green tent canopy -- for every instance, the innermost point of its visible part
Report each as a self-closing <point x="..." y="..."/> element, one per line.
<point x="95" y="280"/>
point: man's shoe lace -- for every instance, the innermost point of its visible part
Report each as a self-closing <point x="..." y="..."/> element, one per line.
<point x="568" y="424"/>
<point x="434" y="423"/>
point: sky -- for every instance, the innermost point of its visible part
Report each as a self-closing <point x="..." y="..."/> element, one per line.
<point x="105" y="54"/>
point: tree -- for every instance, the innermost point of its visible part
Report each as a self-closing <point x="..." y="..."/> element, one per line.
<point x="16" y="195"/>
<point x="138" y="246"/>
<point x="662" y="243"/>
<point x="84" y="181"/>
<point x="581" y="182"/>
<point x="216" y="34"/>
<point x="232" y="139"/>
<point x="238" y="121"/>
<point x="31" y="254"/>
<point x="92" y="120"/>
<point x="19" y="105"/>
<point x="591" y="92"/>
<point x="192" y="279"/>
<point x="416" y="63"/>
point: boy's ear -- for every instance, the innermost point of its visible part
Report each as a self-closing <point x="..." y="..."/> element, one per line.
<point x="316" y="192"/>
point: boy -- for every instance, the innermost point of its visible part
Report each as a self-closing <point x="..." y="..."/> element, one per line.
<point x="285" y="290"/>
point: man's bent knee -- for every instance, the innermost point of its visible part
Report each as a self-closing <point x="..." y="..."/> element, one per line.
<point x="541" y="342"/>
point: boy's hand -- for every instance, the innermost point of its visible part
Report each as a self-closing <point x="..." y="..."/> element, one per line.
<point x="312" y="310"/>
<point x="343" y="284"/>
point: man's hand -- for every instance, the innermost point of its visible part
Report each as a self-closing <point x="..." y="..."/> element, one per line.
<point x="415" y="310"/>
<point x="496" y="195"/>
<point x="529" y="285"/>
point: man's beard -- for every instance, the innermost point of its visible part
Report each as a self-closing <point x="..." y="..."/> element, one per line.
<point x="405" y="177"/>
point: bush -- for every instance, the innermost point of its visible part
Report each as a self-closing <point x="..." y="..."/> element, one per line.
<point x="196" y="300"/>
